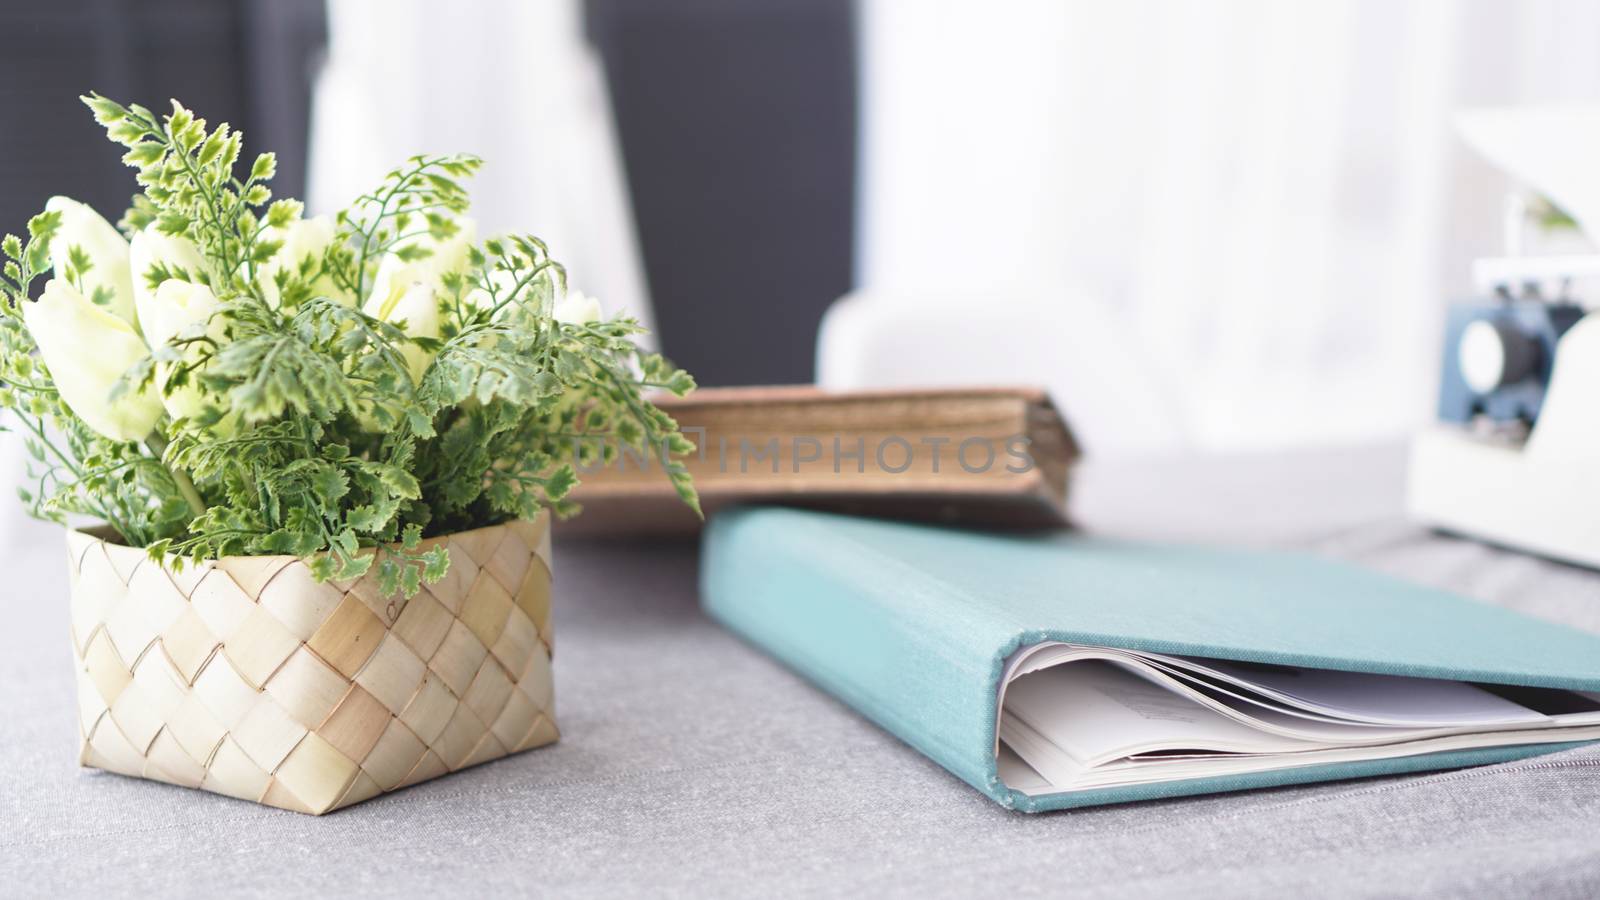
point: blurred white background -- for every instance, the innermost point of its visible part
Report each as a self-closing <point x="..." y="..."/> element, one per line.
<point x="1236" y="222"/>
<point x="514" y="82"/>
<point x="1216" y="225"/>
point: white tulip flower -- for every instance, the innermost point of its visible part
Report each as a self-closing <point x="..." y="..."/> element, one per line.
<point x="175" y="307"/>
<point x="87" y="350"/>
<point x="395" y="276"/>
<point x="108" y="274"/>
<point x="169" y="308"/>
<point x="418" y="305"/>
<point x="302" y="239"/>
<point x="577" y="308"/>
<point x="151" y="249"/>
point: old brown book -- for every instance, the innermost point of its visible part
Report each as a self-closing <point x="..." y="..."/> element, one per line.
<point x="997" y="457"/>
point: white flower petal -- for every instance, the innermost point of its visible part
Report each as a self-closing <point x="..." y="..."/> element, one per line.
<point x="149" y="249"/>
<point x="419" y="308"/>
<point x="87" y="349"/>
<point x="395" y="275"/>
<point x="302" y="239"/>
<point x="577" y="308"/>
<point x="82" y="227"/>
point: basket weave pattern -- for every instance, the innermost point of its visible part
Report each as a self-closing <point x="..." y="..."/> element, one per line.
<point x="245" y="677"/>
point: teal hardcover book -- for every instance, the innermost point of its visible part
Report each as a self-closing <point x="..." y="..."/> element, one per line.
<point x="1063" y="670"/>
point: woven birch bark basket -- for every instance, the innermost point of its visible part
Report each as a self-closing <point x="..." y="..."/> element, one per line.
<point x="243" y="676"/>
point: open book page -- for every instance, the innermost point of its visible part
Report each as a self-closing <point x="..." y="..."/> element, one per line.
<point x="1096" y="711"/>
<point x="1364" y="697"/>
<point x="1076" y="717"/>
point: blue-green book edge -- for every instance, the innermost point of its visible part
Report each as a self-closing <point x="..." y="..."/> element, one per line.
<point x="877" y="614"/>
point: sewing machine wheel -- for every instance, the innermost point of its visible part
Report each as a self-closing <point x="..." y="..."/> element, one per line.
<point x="1492" y="355"/>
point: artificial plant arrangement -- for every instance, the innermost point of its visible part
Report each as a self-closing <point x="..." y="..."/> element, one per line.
<point x="324" y="447"/>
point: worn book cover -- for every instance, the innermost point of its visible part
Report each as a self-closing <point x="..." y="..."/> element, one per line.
<point x="1060" y="670"/>
<point x="997" y="457"/>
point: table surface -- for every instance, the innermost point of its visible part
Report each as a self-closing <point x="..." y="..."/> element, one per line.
<point x="692" y="764"/>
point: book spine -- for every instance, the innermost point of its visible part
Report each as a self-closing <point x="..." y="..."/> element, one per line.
<point x="903" y="649"/>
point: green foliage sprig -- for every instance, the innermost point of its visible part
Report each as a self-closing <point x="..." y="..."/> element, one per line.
<point x="334" y="391"/>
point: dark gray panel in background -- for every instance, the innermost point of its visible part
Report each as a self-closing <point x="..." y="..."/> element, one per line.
<point x="737" y="120"/>
<point x="738" y="127"/>
<point x="246" y="62"/>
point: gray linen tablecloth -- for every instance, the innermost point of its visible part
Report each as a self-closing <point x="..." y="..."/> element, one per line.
<point x="691" y="764"/>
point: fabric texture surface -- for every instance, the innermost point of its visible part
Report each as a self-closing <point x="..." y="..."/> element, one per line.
<point x="691" y="764"/>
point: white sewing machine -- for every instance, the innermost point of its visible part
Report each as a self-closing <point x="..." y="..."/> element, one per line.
<point x="1515" y="456"/>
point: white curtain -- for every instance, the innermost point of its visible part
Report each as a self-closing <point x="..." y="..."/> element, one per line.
<point x="513" y="82"/>
<point x="1249" y="213"/>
